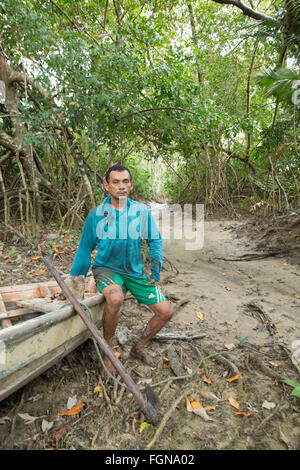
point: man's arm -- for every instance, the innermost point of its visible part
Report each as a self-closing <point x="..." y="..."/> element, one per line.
<point x="87" y="244"/>
<point x="154" y="243"/>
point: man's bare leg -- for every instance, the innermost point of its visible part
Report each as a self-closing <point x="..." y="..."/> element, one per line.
<point x="114" y="299"/>
<point x="163" y="312"/>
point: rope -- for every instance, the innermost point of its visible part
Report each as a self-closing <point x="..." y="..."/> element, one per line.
<point x="95" y="342"/>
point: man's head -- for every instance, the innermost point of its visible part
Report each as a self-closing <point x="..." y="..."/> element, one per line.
<point x="117" y="168"/>
<point x="118" y="182"/>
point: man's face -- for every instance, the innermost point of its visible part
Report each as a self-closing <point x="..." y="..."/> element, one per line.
<point x="119" y="184"/>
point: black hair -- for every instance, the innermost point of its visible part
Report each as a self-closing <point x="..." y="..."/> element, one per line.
<point x="116" y="168"/>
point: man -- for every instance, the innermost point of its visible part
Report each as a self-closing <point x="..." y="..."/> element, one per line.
<point x="117" y="227"/>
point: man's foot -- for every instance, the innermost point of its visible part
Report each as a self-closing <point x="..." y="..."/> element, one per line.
<point x="141" y="354"/>
<point x="108" y="367"/>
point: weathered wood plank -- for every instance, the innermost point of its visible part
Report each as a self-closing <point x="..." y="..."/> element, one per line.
<point x="4" y="323"/>
<point x="41" y="305"/>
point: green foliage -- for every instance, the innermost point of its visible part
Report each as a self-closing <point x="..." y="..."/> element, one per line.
<point x="121" y="84"/>
<point x="296" y="385"/>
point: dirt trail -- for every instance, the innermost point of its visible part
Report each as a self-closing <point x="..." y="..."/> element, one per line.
<point x="248" y="308"/>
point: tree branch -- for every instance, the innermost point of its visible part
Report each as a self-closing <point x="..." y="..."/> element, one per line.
<point x="247" y="11"/>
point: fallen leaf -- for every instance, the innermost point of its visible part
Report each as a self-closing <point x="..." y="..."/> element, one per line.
<point x="117" y="354"/>
<point x="243" y="413"/>
<point x="60" y="433"/>
<point x="196" y="404"/>
<point x="27" y="418"/>
<point x="228" y="288"/>
<point x="210" y="395"/>
<point x="298" y="297"/>
<point x="143" y="426"/>
<point x="98" y="389"/>
<point x="268" y="405"/>
<point x="202" y="413"/>
<point x="285" y="264"/>
<point x="46" y="425"/>
<point x="235" y="377"/>
<point x="205" y="378"/>
<point x="200" y="315"/>
<point x="76" y="409"/>
<point x="234" y="403"/>
<point x="188" y="404"/>
<point x="209" y="408"/>
<point x="35" y="258"/>
<point x="42" y="271"/>
<point x="275" y="364"/>
<point x="4" y="419"/>
<point x="71" y="402"/>
<point x="229" y="346"/>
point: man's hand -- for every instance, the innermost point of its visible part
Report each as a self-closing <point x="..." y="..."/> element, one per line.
<point x="153" y="281"/>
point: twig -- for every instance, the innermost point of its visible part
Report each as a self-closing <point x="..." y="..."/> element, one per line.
<point x="106" y="395"/>
<point x="227" y="363"/>
<point x="165" y="420"/>
<point x="170" y="336"/>
<point x="270" y="373"/>
<point x="270" y="416"/>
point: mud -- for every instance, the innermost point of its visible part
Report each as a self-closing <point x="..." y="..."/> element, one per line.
<point x="249" y="313"/>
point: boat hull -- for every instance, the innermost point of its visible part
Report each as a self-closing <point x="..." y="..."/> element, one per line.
<point x="30" y="348"/>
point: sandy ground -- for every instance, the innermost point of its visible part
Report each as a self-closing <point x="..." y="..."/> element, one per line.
<point x="249" y="313"/>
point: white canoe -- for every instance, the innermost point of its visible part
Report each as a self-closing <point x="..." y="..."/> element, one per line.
<point x="30" y="347"/>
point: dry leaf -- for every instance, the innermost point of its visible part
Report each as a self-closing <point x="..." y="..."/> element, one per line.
<point x="206" y="379"/>
<point x="27" y="418"/>
<point x="35" y="258"/>
<point x="143" y="426"/>
<point x="117" y="354"/>
<point x="243" y="413"/>
<point x="76" y="409"/>
<point x="269" y="405"/>
<point x="235" y="377"/>
<point x="200" y="315"/>
<point x="228" y="288"/>
<point x="229" y="346"/>
<point x="275" y="364"/>
<point x="46" y="425"/>
<point x="209" y="408"/>
<point x="60" y="433"/>
<point x="210" y="395"/>
<point x="196" y="404"/>
<point x="234" y="403"/>
<point x="202" y="413"/>
<point x="4" y="419"/>
<point x="98" y="389"/>
<point x="188" y="404"/>
<point x="71" y="402"/>
<point x="285" y="264"/>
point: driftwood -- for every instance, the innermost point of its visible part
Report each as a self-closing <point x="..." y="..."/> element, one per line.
<point x="175" y="362"/>
<point x="253" y="256"/>
<point x="173" y="335"/>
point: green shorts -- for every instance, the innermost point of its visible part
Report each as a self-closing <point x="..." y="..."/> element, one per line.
<point x="145" y="293"/>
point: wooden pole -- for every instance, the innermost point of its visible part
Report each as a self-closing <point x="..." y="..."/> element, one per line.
<point x="147" y="408"/>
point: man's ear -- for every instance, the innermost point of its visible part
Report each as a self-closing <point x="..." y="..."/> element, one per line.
<point x="105" y="184"/>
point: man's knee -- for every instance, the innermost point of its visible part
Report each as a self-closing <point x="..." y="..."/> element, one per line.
<point x="114" y="297"/>
<point x="164" y="310"/>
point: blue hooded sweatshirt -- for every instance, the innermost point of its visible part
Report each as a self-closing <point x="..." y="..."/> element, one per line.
<point x="118" y="236"/>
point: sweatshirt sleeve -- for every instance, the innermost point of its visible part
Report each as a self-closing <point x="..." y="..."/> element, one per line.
<point x="154" y="242"/>
<point x="86" y="246"/>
